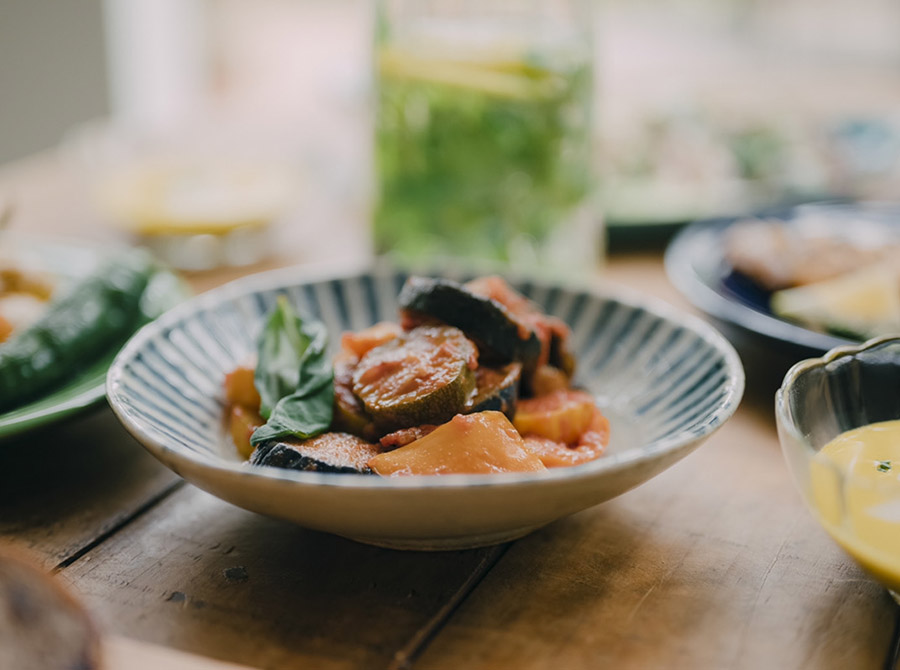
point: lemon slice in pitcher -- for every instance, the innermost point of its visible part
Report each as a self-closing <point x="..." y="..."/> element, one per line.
<point x="498" y="74"/>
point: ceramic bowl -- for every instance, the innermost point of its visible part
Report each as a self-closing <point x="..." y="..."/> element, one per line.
<point x="820" y="399"/>
<point x="823" y="397"/>
<point x="666" y="381"/>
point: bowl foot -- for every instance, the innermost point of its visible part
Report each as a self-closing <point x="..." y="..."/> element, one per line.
<point x="446" y="543"/>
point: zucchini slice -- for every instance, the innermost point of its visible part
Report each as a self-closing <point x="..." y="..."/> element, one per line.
<point x="500" y="336"/>
<point x="426" y="376"/>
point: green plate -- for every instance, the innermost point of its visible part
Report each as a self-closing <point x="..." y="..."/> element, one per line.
<point x="70" y="261"/>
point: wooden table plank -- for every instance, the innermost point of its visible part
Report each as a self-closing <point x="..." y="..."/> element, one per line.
<point x="714" y="564"/>
<point x="65" y="487"/>
<point x="200" y="575"/>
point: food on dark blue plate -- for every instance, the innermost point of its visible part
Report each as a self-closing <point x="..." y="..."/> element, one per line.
<point x="825" y="280"/>
<point x="474" y="379"/>
<point x="76" y="328"/>
<point x="857" y="305"/>
<point x="778" y="256"/>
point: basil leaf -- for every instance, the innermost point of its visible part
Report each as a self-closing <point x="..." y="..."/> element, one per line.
<point x="280" y="350"/>
<point x="294" y="376"/>
<point x="298" y="415"/>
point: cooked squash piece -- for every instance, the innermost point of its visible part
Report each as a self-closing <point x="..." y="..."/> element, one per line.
<point x="590" y="445"/>
<point x="328" y="452"/>
<point x="481" y="443"/>
<point x="242" y="422"/>
<point x="240" y="388"/>
<point x="596" y="437"/>
<point x="561" y="416"/>
<point x="548" y="379"/>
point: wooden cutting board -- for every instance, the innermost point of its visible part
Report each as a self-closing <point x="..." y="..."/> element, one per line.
<point x="123" y="654"/>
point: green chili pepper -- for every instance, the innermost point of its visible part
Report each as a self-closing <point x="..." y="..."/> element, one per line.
<point x="99" y="312"/>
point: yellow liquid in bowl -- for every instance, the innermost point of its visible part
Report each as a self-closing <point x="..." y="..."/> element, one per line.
<point x="855" y="486"/>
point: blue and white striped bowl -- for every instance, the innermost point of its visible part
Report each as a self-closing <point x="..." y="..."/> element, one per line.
<point x="666" y="381"/>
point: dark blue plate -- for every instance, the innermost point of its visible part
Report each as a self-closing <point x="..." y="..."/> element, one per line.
<point x="696" y="265"/>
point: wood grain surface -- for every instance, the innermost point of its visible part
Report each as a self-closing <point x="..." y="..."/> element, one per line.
<point x="713" y="564"/>
<point x="199" y="574"/>
<point x="64" y="488"/>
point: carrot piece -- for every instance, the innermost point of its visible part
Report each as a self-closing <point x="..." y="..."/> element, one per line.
<point x="6" y="329"/>
<point x="240" y="388"/>
<point x="242" y="421"/>
<point x="359" y="343"/>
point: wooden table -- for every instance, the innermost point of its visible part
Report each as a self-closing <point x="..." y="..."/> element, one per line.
<point x="713" y="564"/>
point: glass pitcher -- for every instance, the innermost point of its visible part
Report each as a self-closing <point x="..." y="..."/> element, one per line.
<point x="483" y="141"/>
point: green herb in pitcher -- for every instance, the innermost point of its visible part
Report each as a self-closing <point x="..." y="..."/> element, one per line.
<point x="479" y="158"/>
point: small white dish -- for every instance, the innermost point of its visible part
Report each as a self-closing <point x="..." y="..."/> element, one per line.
<point x="666" y="380"/>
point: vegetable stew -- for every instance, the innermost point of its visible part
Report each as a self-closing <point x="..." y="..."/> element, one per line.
<point x="474" y="378"/>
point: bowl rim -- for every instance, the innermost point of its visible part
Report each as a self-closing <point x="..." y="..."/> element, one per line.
<point x="783" y="414"/>
<point x="300" y="275"/>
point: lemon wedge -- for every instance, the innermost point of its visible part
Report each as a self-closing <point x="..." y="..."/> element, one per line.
<point x="863" y="303"/>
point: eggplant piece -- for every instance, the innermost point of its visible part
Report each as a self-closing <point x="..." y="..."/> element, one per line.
<point x="561" y="355"/>
<point x="349" y="415"/>
<point x="500" y="336"/>
<point x="496" y="390"/>
<point x="328" y="452"/>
